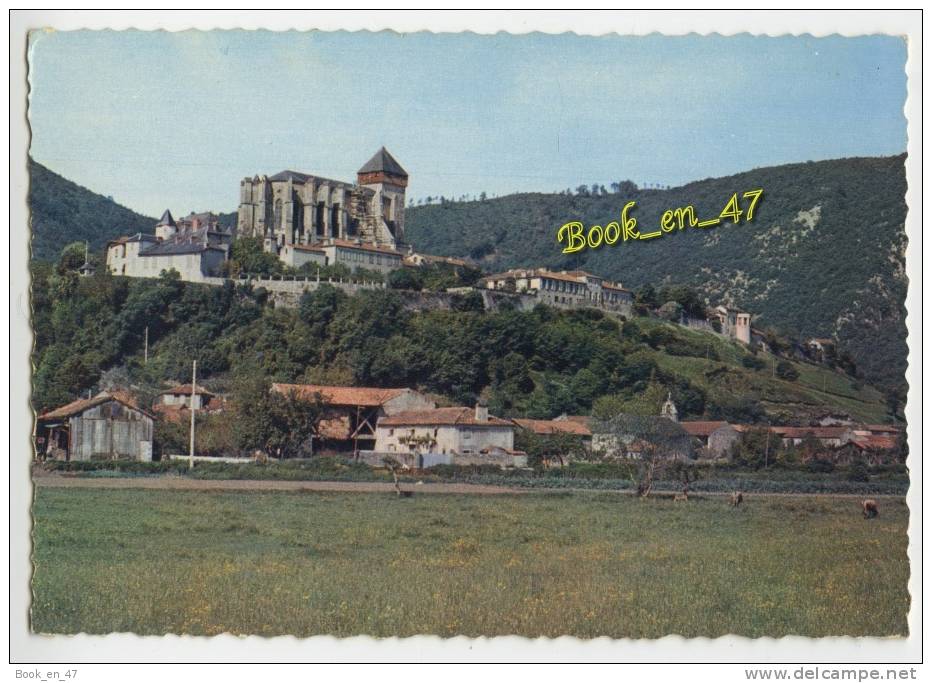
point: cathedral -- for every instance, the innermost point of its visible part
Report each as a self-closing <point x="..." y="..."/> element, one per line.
<point x="291" y="209"/>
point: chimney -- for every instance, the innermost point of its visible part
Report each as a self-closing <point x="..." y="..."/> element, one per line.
<point x="482" y="412"/>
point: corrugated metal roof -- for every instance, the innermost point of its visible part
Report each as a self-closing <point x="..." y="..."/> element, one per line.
<point x="83" y="404"/>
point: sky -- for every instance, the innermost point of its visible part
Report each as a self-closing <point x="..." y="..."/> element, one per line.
<point x="175" y="120"/>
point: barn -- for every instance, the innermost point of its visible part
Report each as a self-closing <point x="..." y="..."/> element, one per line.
<point x="353" y="412"/>
<point x="103" y="427"/>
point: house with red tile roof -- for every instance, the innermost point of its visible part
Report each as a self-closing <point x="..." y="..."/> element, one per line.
<point x="455" y="431"/>
<point x="716" y="437"/>
<point x="352" y="413"/>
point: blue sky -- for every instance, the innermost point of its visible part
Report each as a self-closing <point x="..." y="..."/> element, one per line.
<point x="175" y="120"/>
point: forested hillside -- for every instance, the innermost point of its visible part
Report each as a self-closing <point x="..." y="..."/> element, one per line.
<point x="823" y="255"/>
<point x="64" y="212"/>
<point x="89" y="335"/>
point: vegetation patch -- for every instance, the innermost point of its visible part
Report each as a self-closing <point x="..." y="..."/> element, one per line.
<point x="587" y="565"/>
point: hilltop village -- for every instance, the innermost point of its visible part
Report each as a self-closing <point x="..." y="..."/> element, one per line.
<point x="313" y="225"/>
<point x="310" y="222"/>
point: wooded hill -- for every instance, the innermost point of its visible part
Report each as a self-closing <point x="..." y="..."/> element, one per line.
<point x="823" y="255"/>
<point x="64" y="212"/>
<point x="541" y="363"/>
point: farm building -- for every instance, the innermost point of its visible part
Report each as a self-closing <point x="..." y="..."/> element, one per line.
<point x="353" y="412"/>
<point x="635" y="436"/>
<point x="716" y="437"/>
<point x="575" y="426"/>
<point x="181" y="395"/>
<point x="174" y="404"/>
<point x="466" y="435"/>
<point x="105" y="426"/>
<point x="826" y="436"/>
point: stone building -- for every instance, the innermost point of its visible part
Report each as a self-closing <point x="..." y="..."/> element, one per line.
<point x="455" y="431"/>
<point x="292" y="208"/>
<point x="103" y="427"/>
<point x="636" y="436"/>
<point x="564" y="289"/>
<point x="716" y="438"/>
<point x="575" y="427"/>
<point x="354" y="254"/>
<point x="735" y="323"/>
<point x="181" y="395"/>
<point x="821" y="348"/>
<point x="198" y="221"/>
<point x="352" y="413"/>
<point x="197" y="250"/>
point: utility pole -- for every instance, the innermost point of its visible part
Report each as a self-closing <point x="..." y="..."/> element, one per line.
<point x="193" y="394"/>
<point x="767" y="448"/>
<point x="145" y="348"/>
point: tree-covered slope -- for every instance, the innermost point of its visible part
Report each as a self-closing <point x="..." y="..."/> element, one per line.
<point x="823" y="255"/>
<point x="64" y="212"/>
<point x="539" y="363"/>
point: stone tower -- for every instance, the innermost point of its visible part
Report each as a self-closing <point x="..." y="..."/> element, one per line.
<point x="387" y="179"/>
<point x="669" y="409"/>
<point x="166" y="228"/>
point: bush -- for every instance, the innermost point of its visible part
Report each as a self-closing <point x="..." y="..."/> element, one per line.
<point x="785" y="370"/>
<point x="819" y="466"/>
<point x="405" y="278"/>
<point x="753" y="363"/>
<point x="858" y="471"/>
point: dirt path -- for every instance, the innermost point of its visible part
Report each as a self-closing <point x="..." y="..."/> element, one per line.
<point x="176" y="483"/>
<point x="186" y="484"/>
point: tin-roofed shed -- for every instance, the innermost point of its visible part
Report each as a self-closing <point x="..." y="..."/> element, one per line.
<point x="103" y="427"/>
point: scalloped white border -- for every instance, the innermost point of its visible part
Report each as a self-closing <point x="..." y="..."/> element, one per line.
<point x="27" y="647"/>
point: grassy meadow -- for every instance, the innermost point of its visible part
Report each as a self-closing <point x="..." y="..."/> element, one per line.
<point x="582" y="564"/>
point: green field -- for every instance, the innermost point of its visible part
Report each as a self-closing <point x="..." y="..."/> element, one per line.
<point x="583" y="564"/>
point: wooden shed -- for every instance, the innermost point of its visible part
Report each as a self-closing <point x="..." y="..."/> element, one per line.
<point x="103" y="427"/>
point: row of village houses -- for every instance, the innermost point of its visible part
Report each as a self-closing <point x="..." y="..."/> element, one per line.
<point x="405" y="424"/>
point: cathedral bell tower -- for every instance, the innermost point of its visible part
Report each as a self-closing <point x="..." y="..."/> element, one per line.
<point x="387" y="179"/>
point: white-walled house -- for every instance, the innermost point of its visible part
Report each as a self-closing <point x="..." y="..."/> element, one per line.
<point x="457" y="431"/>
<point x="297" y="255"/>
<point x="181" y="395"/>
<point x="196" y="251"/>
